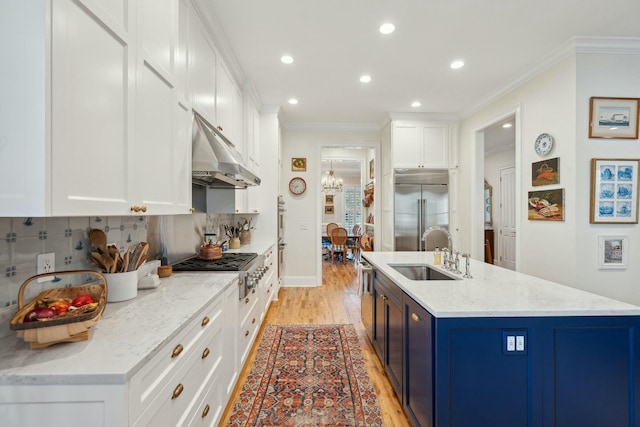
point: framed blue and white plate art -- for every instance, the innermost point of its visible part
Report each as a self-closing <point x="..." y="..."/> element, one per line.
<point x="614" y="191"/>
<point x="613" y="117"/>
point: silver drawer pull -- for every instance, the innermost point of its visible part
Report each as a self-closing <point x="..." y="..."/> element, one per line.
<point x="415" y="317"/>
<point x="178" y="390"/>
<point x="176" y="351"/>
<point x="206" y="411"/>
<point x="205" y="353"/>
<point x="205" y="321"/>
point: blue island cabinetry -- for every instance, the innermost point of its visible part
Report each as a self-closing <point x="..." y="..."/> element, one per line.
<point x="509" y="371"/>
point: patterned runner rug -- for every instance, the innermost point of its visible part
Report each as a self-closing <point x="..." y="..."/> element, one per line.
<point x="307" y="375"/>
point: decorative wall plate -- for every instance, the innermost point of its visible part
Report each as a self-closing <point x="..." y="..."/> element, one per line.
<point x="543" y="144"/>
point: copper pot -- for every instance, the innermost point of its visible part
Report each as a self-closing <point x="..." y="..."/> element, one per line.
<point x="210" y="252"/>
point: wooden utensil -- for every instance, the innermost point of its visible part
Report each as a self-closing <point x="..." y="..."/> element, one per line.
<point x="99" y="240"/>
<point x="125" y="262"/>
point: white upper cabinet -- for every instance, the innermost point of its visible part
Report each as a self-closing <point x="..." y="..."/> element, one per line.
<point x="203" y="60"/>
<point x="163" y="144"/>
<point x="420" y="144"/>
<point x="252" y="137"/>
<point x="228" y="103"/>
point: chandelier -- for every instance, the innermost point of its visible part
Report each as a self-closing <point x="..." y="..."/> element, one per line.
<point x="331" y="184"/>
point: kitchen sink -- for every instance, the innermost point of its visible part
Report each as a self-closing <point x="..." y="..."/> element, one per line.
<point x="420" y="272"/>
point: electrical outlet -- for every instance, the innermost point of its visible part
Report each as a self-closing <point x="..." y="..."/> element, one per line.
<point x="46" y="264"/>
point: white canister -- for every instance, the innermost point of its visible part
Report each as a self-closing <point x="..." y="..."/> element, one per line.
<point x="121" y="286"/>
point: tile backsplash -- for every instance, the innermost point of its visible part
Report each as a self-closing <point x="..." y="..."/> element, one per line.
<point x="22" y="239"/>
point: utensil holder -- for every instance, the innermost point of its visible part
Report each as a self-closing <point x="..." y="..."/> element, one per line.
<point x="122" y="286"/>
<point x="234" y="243"/>
<point x="245" y="237"/>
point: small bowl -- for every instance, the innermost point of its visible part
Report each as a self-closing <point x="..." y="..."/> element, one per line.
<point x="165" y="270"/>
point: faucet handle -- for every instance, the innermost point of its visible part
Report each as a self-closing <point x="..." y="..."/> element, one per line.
<point x="467" y="273"/>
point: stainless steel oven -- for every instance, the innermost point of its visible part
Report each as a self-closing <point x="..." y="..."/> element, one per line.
<point x="366" y="303"/>
<point x="281" y="244"/>
<point x="250" y="268"/>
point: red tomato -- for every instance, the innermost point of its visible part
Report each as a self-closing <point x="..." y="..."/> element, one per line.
<point x="59" y="306"/>
<point x="82" y="300"/>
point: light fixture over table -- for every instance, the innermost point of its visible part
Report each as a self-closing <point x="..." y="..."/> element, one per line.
<point x="331" y="184"/>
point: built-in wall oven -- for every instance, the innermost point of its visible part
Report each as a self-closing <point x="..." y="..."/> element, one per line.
<point x="366" y="303"/>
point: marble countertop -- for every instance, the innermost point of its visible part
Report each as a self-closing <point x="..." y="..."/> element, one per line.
<point x="124" y="339"/>
<point x="494" y="291"/>
<point x="257" y="246"/>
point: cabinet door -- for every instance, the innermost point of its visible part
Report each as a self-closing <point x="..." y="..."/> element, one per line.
<point x="225" y="93"/>
<point x="435" y="147"/>
<point x="92" y="92"/>
<point x="406" y="141"/>
<point x="202" y="69"/>
<point x="394" y="344"/>
<point x="418" y="378"/>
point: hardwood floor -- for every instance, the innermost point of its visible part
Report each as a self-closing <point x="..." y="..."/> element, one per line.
<point x="336" y="301"/>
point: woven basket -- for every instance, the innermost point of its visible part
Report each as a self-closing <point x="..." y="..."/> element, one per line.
<point x="72" y="326"/>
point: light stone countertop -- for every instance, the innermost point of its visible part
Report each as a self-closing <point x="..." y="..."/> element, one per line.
<point x="122" y="341"/>
<point x="494" y="291"/>
<point x="256" y="245"/>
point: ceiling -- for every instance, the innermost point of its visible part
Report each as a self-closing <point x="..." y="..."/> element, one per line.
<point x="334" y="42"/>
<point x="342" y="168"/>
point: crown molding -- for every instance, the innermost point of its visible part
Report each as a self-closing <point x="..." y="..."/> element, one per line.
<point x="573" y="46"/>
<point x="423" y="116"/>
<point x="220" y="40"/>
<point x="321" y="127"/>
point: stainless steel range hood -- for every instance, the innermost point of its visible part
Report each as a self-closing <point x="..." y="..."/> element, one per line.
<point x="216" y="163"/>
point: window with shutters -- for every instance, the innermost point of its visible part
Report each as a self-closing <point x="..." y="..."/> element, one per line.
<point x="352" y="206"/>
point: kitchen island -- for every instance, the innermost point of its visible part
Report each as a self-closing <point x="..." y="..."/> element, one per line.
<point x="503" y="348"/>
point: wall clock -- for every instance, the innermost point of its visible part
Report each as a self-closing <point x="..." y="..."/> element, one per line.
<point x="297" y="185"/>
<point x="543" y="144"/>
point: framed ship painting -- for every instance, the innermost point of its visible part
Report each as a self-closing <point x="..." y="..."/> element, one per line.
<point x="614" y="191"/>
<point x="613" y="117"/>
<point x="613" y="252"/>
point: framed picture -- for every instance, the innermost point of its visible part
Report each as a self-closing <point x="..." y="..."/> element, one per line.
<point x="613" y="117"/>
<point x="613" y="252"/>
<point x="328" y="209"/>
<point x="546" y="205"/>
<point x="546" y="172"/>
<point x="371" y="169"/>
<point x="328" y="199"/>
<point x="299" y="164"/>
<point x="614" y="191"/>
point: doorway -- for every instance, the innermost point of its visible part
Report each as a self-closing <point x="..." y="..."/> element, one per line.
<point x="500" y="175"/>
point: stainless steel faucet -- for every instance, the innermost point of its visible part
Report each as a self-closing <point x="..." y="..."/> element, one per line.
<point x="438" y="228"/>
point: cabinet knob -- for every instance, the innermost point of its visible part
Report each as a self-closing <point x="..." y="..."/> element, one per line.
<point x="177" y="391"/>
<point x="205" y="353"/>
<point x="143" y="208"/>
<point x="134" y="208"/>
<point x="253" y="321"/>
<point x="205" y="411"/>
<point x="383" y="296"/>
<point x="415" y="317"/>
<point x="246" y="300"/>
<point x="220" y="128"/>
<point x="246" y="334"/>
<point x="205" y="321"/>
<point x="176" y="351"/>
<point x="192" y="210"/>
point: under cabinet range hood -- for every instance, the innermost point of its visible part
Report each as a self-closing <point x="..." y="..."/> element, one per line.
<point x="216" y="163"/>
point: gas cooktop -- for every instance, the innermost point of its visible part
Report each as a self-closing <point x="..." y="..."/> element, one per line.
<point x="228" y="262"/>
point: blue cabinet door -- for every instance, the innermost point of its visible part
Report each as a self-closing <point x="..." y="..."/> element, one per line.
<point x="418" y="378"/>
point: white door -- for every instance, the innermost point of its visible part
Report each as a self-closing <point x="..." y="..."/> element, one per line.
<point x="507" y="237"/>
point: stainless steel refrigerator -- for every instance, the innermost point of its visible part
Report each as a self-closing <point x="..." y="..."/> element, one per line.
<point x="421" y="200"/>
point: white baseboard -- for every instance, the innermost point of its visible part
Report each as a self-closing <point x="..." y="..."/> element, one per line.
<point x="300" y="282"/>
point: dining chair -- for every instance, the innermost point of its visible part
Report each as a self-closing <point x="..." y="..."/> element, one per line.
<point x="353" y="242"/>
<point x="339" y="243"/>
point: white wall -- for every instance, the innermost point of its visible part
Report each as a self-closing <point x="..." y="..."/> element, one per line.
<point x="557" y="102"/>
<point x="304" y="217"/>
<point x="612" y="76"/>
<point x="546" y="104"/>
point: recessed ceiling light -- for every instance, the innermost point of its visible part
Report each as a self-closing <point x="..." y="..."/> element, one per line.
<point x="416" y="104"/>
<point x="387" y="28"/>
<point x="287" y="59"/>
<point x="365" y="78"/>
<point x="507" y="125"/>
<point x="293" y="101"/>
<point x="457" y="64"/>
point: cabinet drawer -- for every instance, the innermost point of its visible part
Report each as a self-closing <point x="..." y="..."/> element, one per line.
<point x="209" y="410"/>
<point x="246" y="304"/>
<point x="269" y="257"/>
<point x="174" y="402"/>
<point x="145" y="385"/>
<point x="247" y="332"/>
